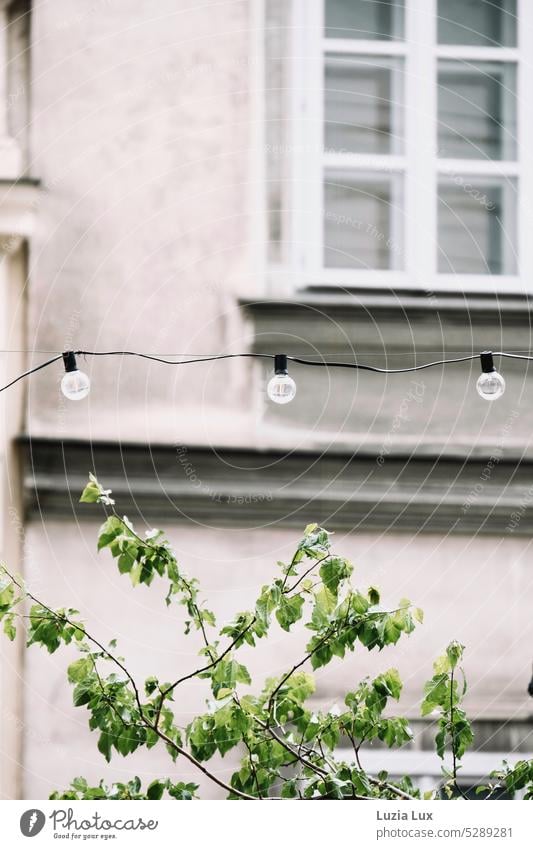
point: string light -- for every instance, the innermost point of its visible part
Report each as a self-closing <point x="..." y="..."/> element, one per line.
<point x="75" y="384"/>
<point x="490" y="384"/>
<point x="281" y="387"/>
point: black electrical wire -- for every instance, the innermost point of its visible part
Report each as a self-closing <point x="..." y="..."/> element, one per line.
<point x="365" y="367"/>
<point x="252" y="355"/>
<point x="511" y="356"/>
<point x="31" y="371"/>
<point x="156" y="359"/>
<point x="299" y="360"/>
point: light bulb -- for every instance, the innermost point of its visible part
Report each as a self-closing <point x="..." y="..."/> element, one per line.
<point x="490" y="384"/>
<point x="75" y="384"/>
<point x="281" y="387"/>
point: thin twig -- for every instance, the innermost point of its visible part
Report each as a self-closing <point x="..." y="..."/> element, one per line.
<point x="307" y="571"/>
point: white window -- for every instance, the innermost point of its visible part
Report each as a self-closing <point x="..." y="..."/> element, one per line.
<point x="411" y="140"/>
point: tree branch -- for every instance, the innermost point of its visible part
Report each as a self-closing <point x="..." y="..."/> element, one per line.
<point x="200" y="766"/>
<point x="306" y="573"/>
<point x="120" y="665"/>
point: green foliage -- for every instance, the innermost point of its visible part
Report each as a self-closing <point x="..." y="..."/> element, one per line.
<point x="287" y="747"/>
<point x="94" y="493"/>
<point x="226" y="674"/>
<point x="50" y="628"/>
<point x="143" y="559"/>
<point x="289" y="610"/>
<point x="8" y="600"/>
<point x="80" y="789"/>
<point x="443" y="696"/>
<point x="512" y="779"/>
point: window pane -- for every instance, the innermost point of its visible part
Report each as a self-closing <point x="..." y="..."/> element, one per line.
<point x="364" y="19"/>
<point x="482" y="22"/>
<point x="477" y="226"/>
<point x="362" y="221"/>
<point x="363" y="105"/>
<point x="477" y="110"/>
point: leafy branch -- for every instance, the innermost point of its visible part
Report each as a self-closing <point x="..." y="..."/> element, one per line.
<point x="288" y="750"/>
<point x="442" y="696"/>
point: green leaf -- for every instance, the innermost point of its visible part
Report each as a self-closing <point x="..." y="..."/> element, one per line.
<point x="333" y="571"/>
<point x="389" y="684"/>
<point x="289" y="611"/>
<point x="109" y="531"/>
<point x="325" y="600"/>
<point x="300" y="686"/>
<point x="79" y="670"/>
<point x="9" y="627"/>
<point x="373" y="595"/>
<point x="442" y="665"/>
<point x="94" y="493"/>
<point x="227" y="674"/>
<point x="436" y="692"/>
<point x="105" y="742"/>
<point x="127" y="560"/>
<point x="289" y="791"/>
<point x="454" y="653"/>
<point x="321" y="656"/>
<point x="150" y="685"/>
<point x="182" y="791"/>
<point x="391" y="631"/>
<point x="90" y="494"/>
<point x="208" y="617"/>
<point x="135" y="574"/>
<point x="7" y="597"/>
<point x="82" y="694"/>
<point x="361" y="783"/>
<point x="358" y="603"/>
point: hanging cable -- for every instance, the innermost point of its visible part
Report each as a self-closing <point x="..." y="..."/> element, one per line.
<point x="281" y="388"/>
<point x="31" y="371"/>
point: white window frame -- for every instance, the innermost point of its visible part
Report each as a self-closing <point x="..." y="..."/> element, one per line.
<point x="419" y="162"/>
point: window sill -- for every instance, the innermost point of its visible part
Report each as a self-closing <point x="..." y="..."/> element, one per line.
<point x="513" y="308"/>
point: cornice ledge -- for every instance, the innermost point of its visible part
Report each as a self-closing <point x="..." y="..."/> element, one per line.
<point x="226" y="490"/>
<point x="398" y="303"/>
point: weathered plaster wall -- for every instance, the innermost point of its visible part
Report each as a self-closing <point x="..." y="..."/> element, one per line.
<point x="141" y="136"/>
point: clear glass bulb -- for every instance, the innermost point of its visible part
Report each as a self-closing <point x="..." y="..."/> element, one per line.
<point x="490" y="385"/>
<point x="75" y="385"/>
<point x="281" y="389"/>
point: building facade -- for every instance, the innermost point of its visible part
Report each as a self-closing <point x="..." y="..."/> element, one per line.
<point x="341" y="180"/>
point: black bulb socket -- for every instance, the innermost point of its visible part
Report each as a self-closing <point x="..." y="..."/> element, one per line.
<point x="69" y="359"/>
<point x="487" y="362"/>
<point x="280" y="364"/>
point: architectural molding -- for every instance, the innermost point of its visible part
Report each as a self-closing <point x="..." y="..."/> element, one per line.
<point x="251" y="488"/>
<point x="386" y="321"/>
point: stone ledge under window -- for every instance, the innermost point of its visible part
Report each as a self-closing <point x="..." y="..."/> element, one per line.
<point x="386" y="320"/>
<point x="252" y="488"/>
